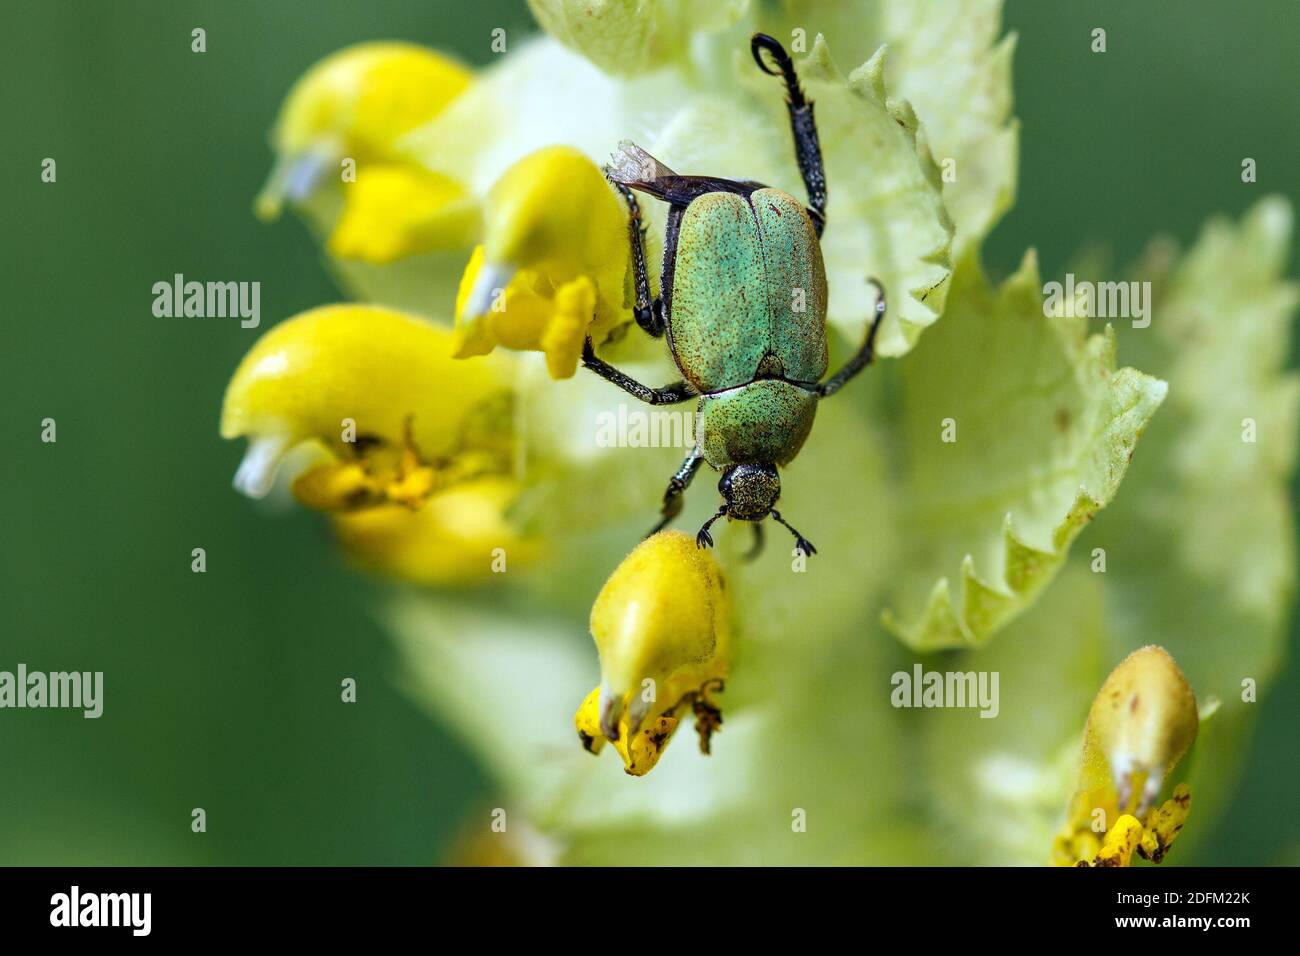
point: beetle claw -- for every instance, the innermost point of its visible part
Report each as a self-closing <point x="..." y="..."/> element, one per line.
<point x="704" y="539"/>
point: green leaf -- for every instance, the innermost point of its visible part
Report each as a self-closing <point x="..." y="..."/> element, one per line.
<point x="1041" y="427"/>
<point x="950" y="62"/>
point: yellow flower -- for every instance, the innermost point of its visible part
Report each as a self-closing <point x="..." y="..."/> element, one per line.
<point x="393" y="211"/>
<point x="343" y="120"/>
<point x="1141" y="723"/>
<point x="418" y="448"/>
<point x="362" y="98"/>
<point x="662" y="626"/>
<point x="553" y="267"/>
<point x="459" y="536"/>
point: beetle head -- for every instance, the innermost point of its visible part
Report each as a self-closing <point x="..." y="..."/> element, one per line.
<point x="750" y="490"/>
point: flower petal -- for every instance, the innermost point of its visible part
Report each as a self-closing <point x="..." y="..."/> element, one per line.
<point x="458" y="536"/>
<point x="308" y="377"/>
<point x="355" y="104"/>
<point x="393" y="211"/>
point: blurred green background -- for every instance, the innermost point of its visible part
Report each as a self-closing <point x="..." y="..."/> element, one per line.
<point x="222" y="689"/>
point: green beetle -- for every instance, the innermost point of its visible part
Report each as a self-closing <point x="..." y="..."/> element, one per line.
<point x="743" y="303"/>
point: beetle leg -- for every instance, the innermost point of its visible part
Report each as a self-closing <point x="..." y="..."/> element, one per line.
<point x="807" y="149"/>
<point x="648" y="312"/>
<point x="703" y="539"/>
<point x="800" y="542"/>
<point x="865" y="354"/>
<point x="757" y="549"/>
<point x="668" y="395"/>
<point x="673" y="496"/>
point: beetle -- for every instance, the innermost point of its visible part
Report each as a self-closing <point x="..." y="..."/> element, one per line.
<point x="736" y="256"/>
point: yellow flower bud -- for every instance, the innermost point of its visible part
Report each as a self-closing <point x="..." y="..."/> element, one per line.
<point x="1140" y="725"/>
<point x="355" y="104"/>
<point x="662" y="626"/>
<point x="553" y="267"/>
<point x="1142" y="722"/>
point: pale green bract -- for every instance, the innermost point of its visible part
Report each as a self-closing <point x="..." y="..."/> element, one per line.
<point x="1015" y="430"/>
<point x="627" y="36"/>
<point x="1196" y="541"/>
